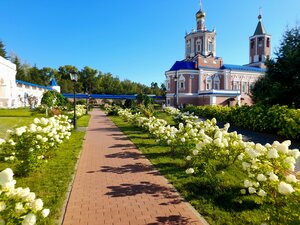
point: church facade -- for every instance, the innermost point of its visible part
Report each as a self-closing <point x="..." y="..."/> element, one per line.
<point x="202" y="78"/>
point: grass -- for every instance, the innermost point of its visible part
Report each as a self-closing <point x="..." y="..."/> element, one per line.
<point x="219" y="202"/>
<point x="165" y="116"/>
<point x="83" y="121"/>
<point x="20" y="112"/>
<point x="13" y="122"/>
<point x="51" y="181"/>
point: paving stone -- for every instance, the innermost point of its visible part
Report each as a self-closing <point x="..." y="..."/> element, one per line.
<point x="116" y="184"/>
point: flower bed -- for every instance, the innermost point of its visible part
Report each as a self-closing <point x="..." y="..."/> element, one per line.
<point x="210" y="150"/>
<point x="28" y="147"/>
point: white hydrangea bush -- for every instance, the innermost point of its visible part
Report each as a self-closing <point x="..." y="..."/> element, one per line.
<point x="171" y="110"/>
<point x="272" y="177"/>
<point x="19" y="205"/>
<point x="270" y="168"/>
<point x="30" y="146"/>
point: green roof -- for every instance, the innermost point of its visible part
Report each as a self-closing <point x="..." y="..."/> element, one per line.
<point x="259" y="29"/>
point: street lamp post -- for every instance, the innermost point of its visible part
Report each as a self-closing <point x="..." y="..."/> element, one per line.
<point x="74" y="78"/>
<point x="87" y="102"/>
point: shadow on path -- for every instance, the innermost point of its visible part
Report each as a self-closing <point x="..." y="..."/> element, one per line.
<point x="126" y="155"/>
<point x="129" y="168"/>
<point x="144" y="187"/>
<point x="171" y="220"/>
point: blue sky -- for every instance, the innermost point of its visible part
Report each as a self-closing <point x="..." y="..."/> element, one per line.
<point x="134" y="39"/>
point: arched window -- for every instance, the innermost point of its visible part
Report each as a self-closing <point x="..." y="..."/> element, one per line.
<point x="188" y="47"/>
<point x="181" y="84"/>
<point x="208" y="83"/>
<point x="198" y="46"/>
<point x="167" y="83"/>
<point x="217" y="83"/>
<point x="268" y="42"/>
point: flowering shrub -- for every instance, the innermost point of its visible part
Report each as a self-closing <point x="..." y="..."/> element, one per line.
<point x="80" y="111"/>
<point x="184" y="117"/>
<point x="28" y="147"/>
<point x="209" y="149"/>
<point x="171" y="111"/>
<point x="271" y="176"/>
<point x="18" y="205"/>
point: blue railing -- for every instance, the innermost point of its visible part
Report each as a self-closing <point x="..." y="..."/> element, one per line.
<point x="106" y="96"/>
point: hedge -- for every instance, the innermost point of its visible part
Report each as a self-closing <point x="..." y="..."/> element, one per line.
<point x="276" y="119"/>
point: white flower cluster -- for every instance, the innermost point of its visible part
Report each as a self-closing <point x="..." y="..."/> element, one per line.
<point x="80" y="111"/>
<point x="32" y="143"/>
<point x="185" y="117"/>
<point x="171" y="110"/>
<point x="18" y="205"/>
<point x="271" y="168"/>
<point x="127" y="115"/>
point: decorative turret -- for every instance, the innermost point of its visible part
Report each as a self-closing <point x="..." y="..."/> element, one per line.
<point x="200" y="17"/>
<point x="260" y="45"/>
<point x="53" y="84"/>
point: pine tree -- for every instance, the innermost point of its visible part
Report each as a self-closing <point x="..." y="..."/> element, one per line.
<point x="2" y="50"/>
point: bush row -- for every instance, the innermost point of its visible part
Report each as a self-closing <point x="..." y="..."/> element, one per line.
<point x="277" y="119"/>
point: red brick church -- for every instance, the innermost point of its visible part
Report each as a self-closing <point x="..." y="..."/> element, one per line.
<point x="202" y="78"/>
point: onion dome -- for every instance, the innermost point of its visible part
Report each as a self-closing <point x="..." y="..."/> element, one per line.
<point x="200" y="14"/>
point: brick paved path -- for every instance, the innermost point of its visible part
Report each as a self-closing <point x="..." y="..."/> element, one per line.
<point x="115" y="184"/>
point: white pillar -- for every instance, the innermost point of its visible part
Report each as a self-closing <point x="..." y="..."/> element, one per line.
<point x="213" y="100"/>
<point x="200" y="88"/>
<point x="239" y="100"/>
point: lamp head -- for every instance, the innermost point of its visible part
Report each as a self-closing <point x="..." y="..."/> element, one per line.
<point x="73" y="76"/>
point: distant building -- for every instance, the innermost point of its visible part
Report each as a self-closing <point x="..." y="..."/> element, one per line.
<point x="203" y="79"/>
<point x="16" y="93"/>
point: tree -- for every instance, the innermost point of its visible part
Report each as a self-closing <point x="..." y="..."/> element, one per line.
<point x="20" y="72"/>
<point x="87" y="78"/>
<point x="63" y="78"/>
<point x="2" y="50"/>
<point x="281" y="84"/>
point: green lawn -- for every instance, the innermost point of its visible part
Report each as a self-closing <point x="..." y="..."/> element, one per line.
<point x="219" y="202"/>
<point x="164" y="116"/>
<point x="20" y="112"/>
<point x="13" y="122"/>
<point x="83" y="121"/>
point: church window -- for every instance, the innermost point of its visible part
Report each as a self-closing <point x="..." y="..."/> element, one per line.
<point x="245" y="87"/>
<point x="208" y="83"/>
<point x="268" y="42"/>
<point x="188" y="47"/>
<point x="168" y="101"/>
<point x="181" y="85"/>
<point x="198" y="45"/>
<point x="236" y="85"/>
<point x="252" y="44"/>
<point x="260" y="44"/>
<point x="210" y="46"/>
<point x="217" y="83"/>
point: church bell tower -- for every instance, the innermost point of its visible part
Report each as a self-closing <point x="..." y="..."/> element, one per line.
<point x="259" y="46"/>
